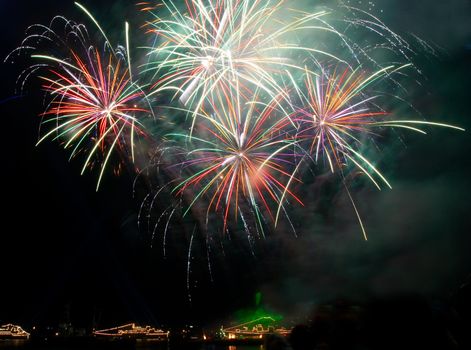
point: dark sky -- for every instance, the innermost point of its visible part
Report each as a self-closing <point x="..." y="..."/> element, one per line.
<point x="63" y="245"/>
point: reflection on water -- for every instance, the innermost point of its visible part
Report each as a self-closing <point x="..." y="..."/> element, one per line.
<point x="232" y="347"/>
<point x="21" y="344"/>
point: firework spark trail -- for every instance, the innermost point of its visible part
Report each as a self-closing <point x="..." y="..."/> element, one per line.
<point x="38" y="35"/>
<point x="151" y="206"/>
<point x="164" y="213"/>
<point x="141" y="209"/>
<point x="247" y="231"/>
<point x="208" y="257"/>
<point x="188" y="268"/>
<point x="164" y="244"/>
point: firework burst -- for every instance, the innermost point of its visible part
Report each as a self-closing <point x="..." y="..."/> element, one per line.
<point x="237" y="44"/>
<point x="340" y="115"/>
<point x="94" y="105"/>
<point x="241" y="156"/>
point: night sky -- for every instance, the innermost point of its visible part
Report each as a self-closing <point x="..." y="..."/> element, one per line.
<point x="65" y="247"/>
